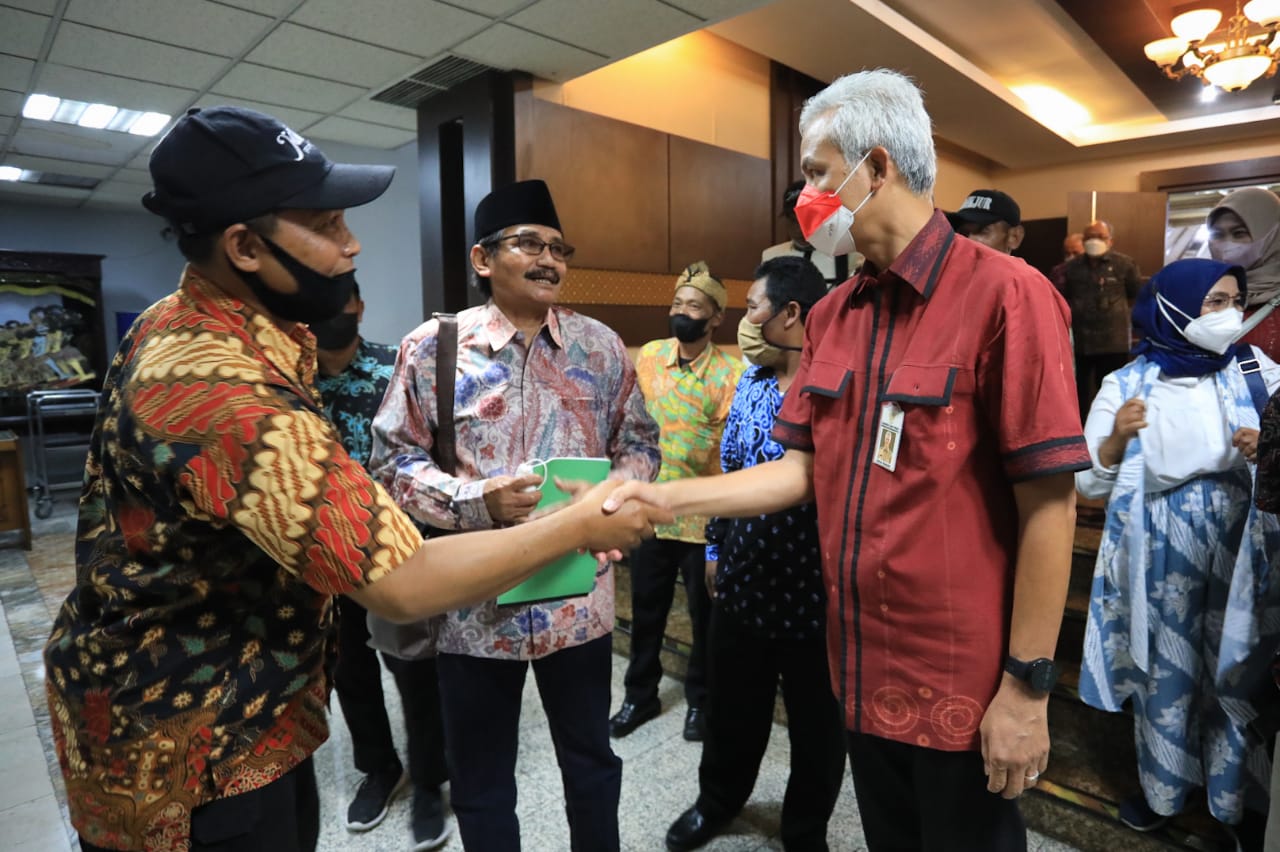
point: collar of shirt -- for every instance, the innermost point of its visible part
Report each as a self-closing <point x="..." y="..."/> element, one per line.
<point x="500" y="331"/>
<point x="293" y="353"/>
<point x="698" y="365"/>
<point x="918" y="265"/>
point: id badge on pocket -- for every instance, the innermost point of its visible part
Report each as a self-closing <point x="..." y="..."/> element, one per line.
<point x="889" y="436"/>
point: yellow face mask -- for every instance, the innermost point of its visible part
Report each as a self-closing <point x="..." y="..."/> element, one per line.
<point x="755" y="348"/>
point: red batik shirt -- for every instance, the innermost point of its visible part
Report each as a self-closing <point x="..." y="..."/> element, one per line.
<point x="219" y="516"/>
<point x="918" y="563"/>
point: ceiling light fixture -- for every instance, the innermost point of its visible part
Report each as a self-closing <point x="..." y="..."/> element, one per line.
<point x="95" y="116"/>
<point x="10" y="173"/>
<point x="40" y="107"/>
<point x="1249" y="51"/>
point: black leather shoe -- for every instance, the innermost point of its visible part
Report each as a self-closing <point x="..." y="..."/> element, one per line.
<point x="631" y="716"/>
<point x="692" y="830"/>
<point x="695" y="725"/>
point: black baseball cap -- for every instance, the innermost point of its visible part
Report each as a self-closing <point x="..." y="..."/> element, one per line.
<point x="984" y="206"/>
<point x="223" y="165"/>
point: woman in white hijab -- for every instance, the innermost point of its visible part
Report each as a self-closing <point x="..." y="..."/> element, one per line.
<point x="1244" y="230"/>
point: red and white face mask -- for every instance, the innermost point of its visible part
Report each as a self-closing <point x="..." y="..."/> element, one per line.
<point x="825" y="221"/>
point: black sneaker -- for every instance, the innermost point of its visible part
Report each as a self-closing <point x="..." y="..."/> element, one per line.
<point x="1137" y="814"/>
<point x="430" y="829"/>
<point x="373" y="798"/>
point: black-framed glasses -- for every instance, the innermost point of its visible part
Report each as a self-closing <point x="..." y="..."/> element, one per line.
<point x="533" y="245"/>
<point x="1218" y="301"/>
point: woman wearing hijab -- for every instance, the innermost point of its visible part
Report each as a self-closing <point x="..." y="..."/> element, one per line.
<point x="1183" y="592"/>
<point x="1244" y="231"/>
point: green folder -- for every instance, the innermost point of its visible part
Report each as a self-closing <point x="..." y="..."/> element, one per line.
<point x="574" y="574"/>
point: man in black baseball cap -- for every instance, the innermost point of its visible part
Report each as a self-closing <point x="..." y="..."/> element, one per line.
<point x="990" y="217"/>
<point x="189" y="668"/>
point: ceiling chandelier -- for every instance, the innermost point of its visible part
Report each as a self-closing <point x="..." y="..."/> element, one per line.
<point x="1249" y="50"/>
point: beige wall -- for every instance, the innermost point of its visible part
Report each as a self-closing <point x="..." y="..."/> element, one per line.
<point x="957" y="177"/>
<point x="698" y="86"/>
<point x="1042" y="193"/>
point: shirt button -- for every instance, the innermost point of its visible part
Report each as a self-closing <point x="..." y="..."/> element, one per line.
<point x="880" y="574"/>
<point x="884" y="607"/>
<point x="950" y="409"/>
<point x="951" y="445"/>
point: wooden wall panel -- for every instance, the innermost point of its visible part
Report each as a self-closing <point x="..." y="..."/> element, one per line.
<point x="609" y="181"/>
<point x="1137" y="222"/>
<point x="720" y="208"/>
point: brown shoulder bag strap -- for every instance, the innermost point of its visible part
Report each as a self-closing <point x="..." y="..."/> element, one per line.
<point x="446" y="370"/>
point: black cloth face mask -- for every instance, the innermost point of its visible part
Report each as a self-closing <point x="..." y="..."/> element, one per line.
<point x="686" y="329"/>
<point x="318" y="297"/>
<point x="336" y="333"/>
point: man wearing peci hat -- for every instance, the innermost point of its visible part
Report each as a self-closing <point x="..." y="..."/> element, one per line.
<point x="990" y="217"/>
<point x="533" y="381"/>
<point x="688" y="385"/>
<point x="188" y="670"/>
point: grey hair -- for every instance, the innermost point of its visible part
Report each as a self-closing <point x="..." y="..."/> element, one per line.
<point x="879" y="107"/>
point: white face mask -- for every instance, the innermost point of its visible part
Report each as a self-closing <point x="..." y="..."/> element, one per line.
<point x="832" y="234"/>
<point x="1095" y="247"/>
<point x="1240" y="254"/>
<point x="1212" y="332"/>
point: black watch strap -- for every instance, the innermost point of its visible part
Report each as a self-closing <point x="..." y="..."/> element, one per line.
<point x="1040" y="674"/>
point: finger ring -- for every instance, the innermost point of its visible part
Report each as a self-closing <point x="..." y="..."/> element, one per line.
<point x="1033" y="776"/>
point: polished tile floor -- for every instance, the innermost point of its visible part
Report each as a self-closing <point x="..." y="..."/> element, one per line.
<point x="659" y="775"/>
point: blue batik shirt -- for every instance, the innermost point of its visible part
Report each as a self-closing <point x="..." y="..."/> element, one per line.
<point x="769" y="577"/>
<point x="352" y="397"/>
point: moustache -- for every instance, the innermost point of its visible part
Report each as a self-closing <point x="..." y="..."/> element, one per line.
<point x="549" y="275"/>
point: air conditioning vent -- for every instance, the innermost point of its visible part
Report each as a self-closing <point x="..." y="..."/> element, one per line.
<point x="430" y="81"/>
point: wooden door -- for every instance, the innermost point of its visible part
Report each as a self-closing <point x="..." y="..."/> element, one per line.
<point x="1137" y="221"/>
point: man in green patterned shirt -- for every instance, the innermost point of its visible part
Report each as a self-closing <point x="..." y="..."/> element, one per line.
<point x="688" y="385"/>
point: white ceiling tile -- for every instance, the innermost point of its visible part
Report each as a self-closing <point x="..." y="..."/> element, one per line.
<point x="379" y="113"/>
<point x="6" y="124"/>
<point x="80" y="85"/>
<point x="69" y="142"/>
<point x="61" y="196"/>
<point x="23" y="33"/>
<point x="274" y="8"/>
<point x="10" y="102"/>
<point x="358" y="133"/>
<point x="332" y="57"/>
<point x="44" y="7"/>
<point x="718" y="10"/>
<point x="295" y="118"/>
<point x="504" y="46"/>
<point x="208" y="27"/>
<point x="15" y="72"/>
<point x="79" y="46"/>
<point x="136" y="177"/>
<point x="617" y="29"/>
<point x="270" y="85"/>
<point x="122" y="189"/>
<point x="422" y="28"/>
<point x="61" y="167"/>
<point x="494" y="8"/>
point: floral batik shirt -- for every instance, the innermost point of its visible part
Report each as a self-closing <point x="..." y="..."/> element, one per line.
<point x="690" y="403"/>
<point x="219" y="516"/>
<point x="352" y="397"/>
<point x="570" y="391"/>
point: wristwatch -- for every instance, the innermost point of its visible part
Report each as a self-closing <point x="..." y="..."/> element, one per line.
<point x="1039" y="674"/>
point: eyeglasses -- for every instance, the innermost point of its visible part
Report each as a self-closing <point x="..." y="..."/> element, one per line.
<point x="1218" y="301"/>
<point x="531" y="245"/>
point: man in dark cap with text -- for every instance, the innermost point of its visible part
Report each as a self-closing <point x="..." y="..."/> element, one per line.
<point x="188" y="669"/>
<point x="533" y="381"/>
<point x="990" y="217"/>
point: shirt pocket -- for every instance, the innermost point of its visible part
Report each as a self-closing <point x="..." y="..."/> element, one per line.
<point x="937" y="403"/>
<point x="827" y="381"/>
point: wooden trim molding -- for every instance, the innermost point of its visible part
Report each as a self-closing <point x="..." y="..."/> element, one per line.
<point x="1211" y="175"/>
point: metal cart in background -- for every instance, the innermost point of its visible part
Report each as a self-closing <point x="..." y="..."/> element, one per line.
<point x="44" y="406"/>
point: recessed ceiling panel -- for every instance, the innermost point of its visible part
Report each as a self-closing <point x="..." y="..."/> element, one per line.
<point x="506" y="47"/>
<point x="22" y="33"/>
<point x="204" y="26"/>
<point x="359" y="133"/>
<point x="391" y="116"/>
<point x="15" y="72"/>
<point x="90" y="87"/>
<point x="423" y="28"/>
<point x="68" y="142"/>
<point x="308" y="51"/>
<point x="93" y="49"/>
<point x="59" y="167"/>
<point x="10" y="102"/>
<point x="269" y="85"/>
<point x="618" y="29"/>
<point x="298" y="119"/>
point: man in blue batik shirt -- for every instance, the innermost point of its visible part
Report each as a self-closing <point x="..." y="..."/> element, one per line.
<point x="352" y="380"/>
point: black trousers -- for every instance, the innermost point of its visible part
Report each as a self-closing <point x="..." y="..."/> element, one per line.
<point x="916" y="799"/>
<point x="1090" y="371"/>
<point x="358" y="682"/>
<point x="744" y="673"/>
<point x="283" y="816"/>
<point x="655" y="565"/>
<point x="482" y="722"/>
